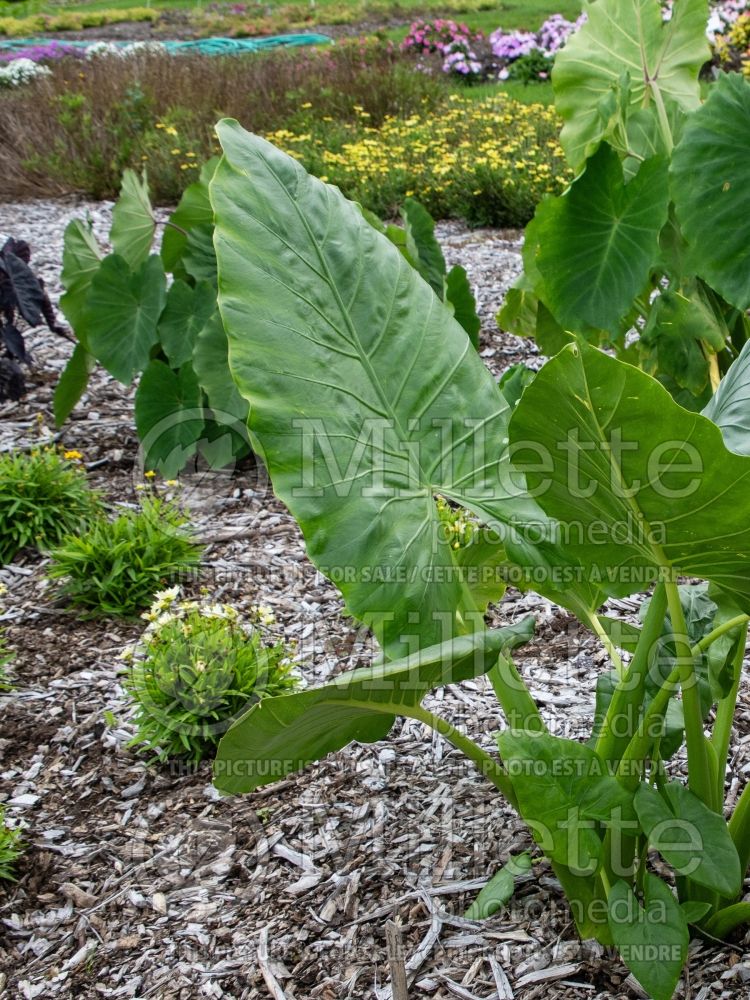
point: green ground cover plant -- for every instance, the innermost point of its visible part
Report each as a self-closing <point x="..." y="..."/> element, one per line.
<point x="624" y="491"/>
<point x="44" y="495"/>
<point x="643" y="253"/>
<point x="11" y="848"/>
<point x="115" y="567"/>
<point x="196" y="670"/>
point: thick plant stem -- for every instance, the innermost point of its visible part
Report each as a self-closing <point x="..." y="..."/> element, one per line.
<point x="489" y="766"/>
<point x="627" y="698"/>
<point x="700" y="772"/>
<point x="739" y="828"/>
<point x="519" y="707"/>
<point x="725" y="715"/>
<point x="718" y="632"/>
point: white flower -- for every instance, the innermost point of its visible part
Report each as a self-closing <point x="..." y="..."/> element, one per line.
<point x="20" y="71"/>
<point x="98" y="49"/>
<point x="264" y="614"/>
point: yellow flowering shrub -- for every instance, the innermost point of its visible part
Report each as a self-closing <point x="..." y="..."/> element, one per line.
<point x="489" y="161"/>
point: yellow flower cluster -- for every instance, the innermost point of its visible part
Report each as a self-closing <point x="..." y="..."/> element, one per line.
<point x="497" y="151"/>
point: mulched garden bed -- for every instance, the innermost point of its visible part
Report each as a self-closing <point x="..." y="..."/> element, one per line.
<point x="142" y="882"/>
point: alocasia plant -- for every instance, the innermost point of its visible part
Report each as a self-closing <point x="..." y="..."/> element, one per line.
<point x="647" y="252"/>
<point x="375" y="418"/>
<point x="172" y="339"/>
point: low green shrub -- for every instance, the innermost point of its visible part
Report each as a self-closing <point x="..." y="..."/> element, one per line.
<point x="25" y="27"/>
<point x="196" y="670"/>
<point x="44" y="495"/>
<point x="116" y="567"/>
<point x="10" y="848"/>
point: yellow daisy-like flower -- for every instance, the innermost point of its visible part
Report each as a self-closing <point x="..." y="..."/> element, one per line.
<point x="150" y="474"/>
<point x="73" y="455"/>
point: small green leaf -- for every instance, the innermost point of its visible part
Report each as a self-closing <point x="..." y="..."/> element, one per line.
<point x="459" y="294"/>
<point x="419" y="227"/>
<point x="168" y="416"/>
<point x="186" y="312"/>
<point x="500" y="888"/>
<point x="73" y="382"/>
<point x="564" y="790"/>
<point x="695" y="910"/>
<point x="122" y="313"/>
<point x="193" y="210"/>
<point x="514" y="381"/>
<point x="652" y="939"/>
<point x="133" y="223"/>
<point x="81" y="260"/>
<point x="692" y="838"/>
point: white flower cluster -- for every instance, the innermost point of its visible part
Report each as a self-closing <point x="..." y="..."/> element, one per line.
<point x="98" y="50"/>
<point x="20" y="71"/>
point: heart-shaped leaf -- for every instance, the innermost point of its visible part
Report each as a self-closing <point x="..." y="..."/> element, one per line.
<point x="564" y="790"/>
<point x="711" y="188"/>
<point x="133" y="222"/>
<point x="186" y="312"/>
<point x="169" y="416"/>
<point x="690" y="836"/>
<point x="615" y="459"/>
<point x="27" y="294"/>
<point x="193" y="210"/>
<point x="122" y="312"/>
<point x="652" y="939"/>
<point x="597" y="242"/>
<point x="662" y="59"/>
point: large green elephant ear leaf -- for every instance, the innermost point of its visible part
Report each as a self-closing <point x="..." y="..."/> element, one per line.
<point x="133" y="222"/>
<point x="597" y="243"/>
<point x="662" y="59"/>
<point x="278" y="736"/>
<point x="641" y="486"/>
<point x="711" y="189"/>
<point x="366" y="397"/>
<point x="729" y="407"/>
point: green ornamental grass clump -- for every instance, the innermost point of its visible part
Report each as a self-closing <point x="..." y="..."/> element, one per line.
<point x="44" y="495"/>
<point x="116" y="567"/>
<point x="196" y="671"/>
<point x="10" y="848"/>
